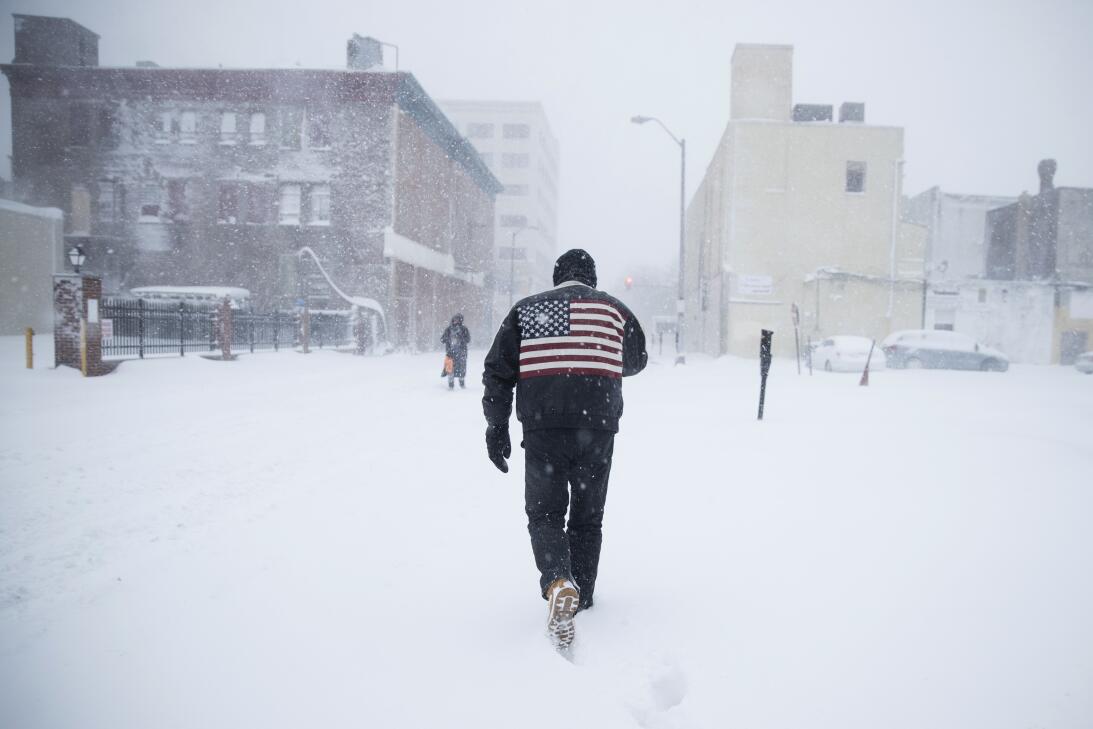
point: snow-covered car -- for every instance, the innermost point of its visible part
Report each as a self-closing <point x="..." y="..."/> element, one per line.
<point x="937" y="349"/>
<point x="846" y="354"/>
<point x="1084" y="363"/>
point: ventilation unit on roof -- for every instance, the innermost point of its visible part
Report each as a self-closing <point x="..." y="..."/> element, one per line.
<point x="851" y="111"/>
<point x="812" y="112"/>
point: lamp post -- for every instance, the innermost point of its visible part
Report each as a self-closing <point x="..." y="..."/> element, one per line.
<point x="77" y="257"/>
<point x="681" y="357"/>
<point x="512" y="258"/>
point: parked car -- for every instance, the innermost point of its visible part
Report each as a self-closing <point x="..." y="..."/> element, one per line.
<point x="1084" y="363"/>
<point x="935" y="349"/>
<point x="845" y="354"/>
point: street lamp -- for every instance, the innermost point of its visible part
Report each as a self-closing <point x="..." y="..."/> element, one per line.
<point x="76" y="257"/>
<point x="512" y="258"/>
<point x="681" y="357"/>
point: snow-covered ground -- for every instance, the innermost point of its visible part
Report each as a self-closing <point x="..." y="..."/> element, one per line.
<point x="320" y="541"/>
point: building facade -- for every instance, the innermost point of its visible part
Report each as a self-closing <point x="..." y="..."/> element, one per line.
<point x="220" y="177"/>
<point x="797" y="208"/>
<point x="514" y="139"/>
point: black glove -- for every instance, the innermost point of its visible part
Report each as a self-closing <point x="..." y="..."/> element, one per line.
<point x="499" y="446"/>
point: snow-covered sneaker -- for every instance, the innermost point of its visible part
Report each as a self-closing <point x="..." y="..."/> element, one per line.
<point x="562" y="599"/>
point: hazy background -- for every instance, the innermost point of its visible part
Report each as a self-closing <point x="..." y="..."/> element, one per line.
<point x="983" y="89"/>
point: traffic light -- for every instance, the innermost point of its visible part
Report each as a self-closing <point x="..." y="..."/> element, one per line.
<point x="629" y="281"/>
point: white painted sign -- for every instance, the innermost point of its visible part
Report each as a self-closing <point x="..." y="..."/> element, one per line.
<point x="92" y="311"/>
<point x="751" y="284"/>
<point x="107" y="328"/>
<point x="1081" y="304"/>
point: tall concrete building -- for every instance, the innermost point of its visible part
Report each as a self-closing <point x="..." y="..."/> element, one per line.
<point x="220" y="177"/>
<point x="797" y="207"/>
<point x="515" y="141"/>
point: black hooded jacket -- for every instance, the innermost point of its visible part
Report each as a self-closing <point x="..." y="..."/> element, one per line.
<point x="565" y="351"/>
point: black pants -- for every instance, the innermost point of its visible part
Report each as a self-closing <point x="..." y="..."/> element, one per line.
<point x="557" y="459"/>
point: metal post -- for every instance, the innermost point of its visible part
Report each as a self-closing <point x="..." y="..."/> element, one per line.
<point x="181" y="329"/>
<point x="30" y="348"/>
<point x="140" y="327"/>
<point x="764" y="366"/>
<point x="681" y="356"/>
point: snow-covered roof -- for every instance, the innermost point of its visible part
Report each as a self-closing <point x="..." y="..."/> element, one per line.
<point x="18" y="207"/>
<point x="190" y="292"/>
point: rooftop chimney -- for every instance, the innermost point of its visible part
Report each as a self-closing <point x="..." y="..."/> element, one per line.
<point x="1046" y="170"/>
<point x="44" y="41"/>
<point x="363" y="53"/>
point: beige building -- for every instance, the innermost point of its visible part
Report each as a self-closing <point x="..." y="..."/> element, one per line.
<point x="796" y="207"/>
<point x="31" y="251"/>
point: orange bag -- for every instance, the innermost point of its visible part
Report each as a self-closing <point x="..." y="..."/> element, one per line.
<point x="449" y="365"/>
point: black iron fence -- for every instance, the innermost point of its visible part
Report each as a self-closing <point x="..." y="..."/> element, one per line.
<point x="139" y="327"/>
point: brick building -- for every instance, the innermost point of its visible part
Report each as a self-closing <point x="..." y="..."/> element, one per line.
<point x="219" y="176"/>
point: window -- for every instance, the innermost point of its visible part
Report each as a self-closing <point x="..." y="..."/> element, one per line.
<point x="151" y="197"/>
<point x="514" y="160"/>
<point x="290" y="205"/>
<point x="514" y="221"/>
<point x="187" y="128"/>
<point x="108" y="128"/>
<point x="79" y="214"/>
<point x="515" y="131"/>
<point x="105" y="205"/>
<point x="318" y="136"/>
<point x="319" y="197"/>
<point x="291" y="123"/>
<point x="177" y="209"/>
<point x="227" y="212"/>
<point x="164" y="127"/>
<point x="258" y="129"/>
<point x="259" y="203"/>
<point x="227" y="128"/>
<point x="516" y="190"/>
<point x="855" y="177"/>
<point x="479" y="131"/>
<point x="79" y="126"/>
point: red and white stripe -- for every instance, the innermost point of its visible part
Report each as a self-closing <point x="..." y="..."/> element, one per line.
<point x="592" y="347"/>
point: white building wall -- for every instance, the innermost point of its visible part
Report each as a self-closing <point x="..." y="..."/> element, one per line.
<point x="528" y="166"/>
<point x="31" y="251"/>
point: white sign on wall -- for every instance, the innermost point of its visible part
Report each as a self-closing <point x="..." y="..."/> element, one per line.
<point x="107" y="328"/>
<point x="1081" y="304"/>
<point x="750" y="284"/>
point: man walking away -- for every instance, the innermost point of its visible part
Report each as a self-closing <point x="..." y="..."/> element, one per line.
<point x="565" y="351"/>
<point x="456" y="339"/>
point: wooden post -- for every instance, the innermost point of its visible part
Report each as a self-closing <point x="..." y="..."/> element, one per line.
<point x="30" y="348"/>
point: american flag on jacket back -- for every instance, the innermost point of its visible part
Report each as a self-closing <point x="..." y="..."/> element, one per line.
<point x="570" y="337"/>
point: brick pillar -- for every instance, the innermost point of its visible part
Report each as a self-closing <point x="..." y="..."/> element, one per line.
<point x="76" y="299"/>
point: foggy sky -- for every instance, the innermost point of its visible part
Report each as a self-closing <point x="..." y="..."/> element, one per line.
<point x="984" y="90"/>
